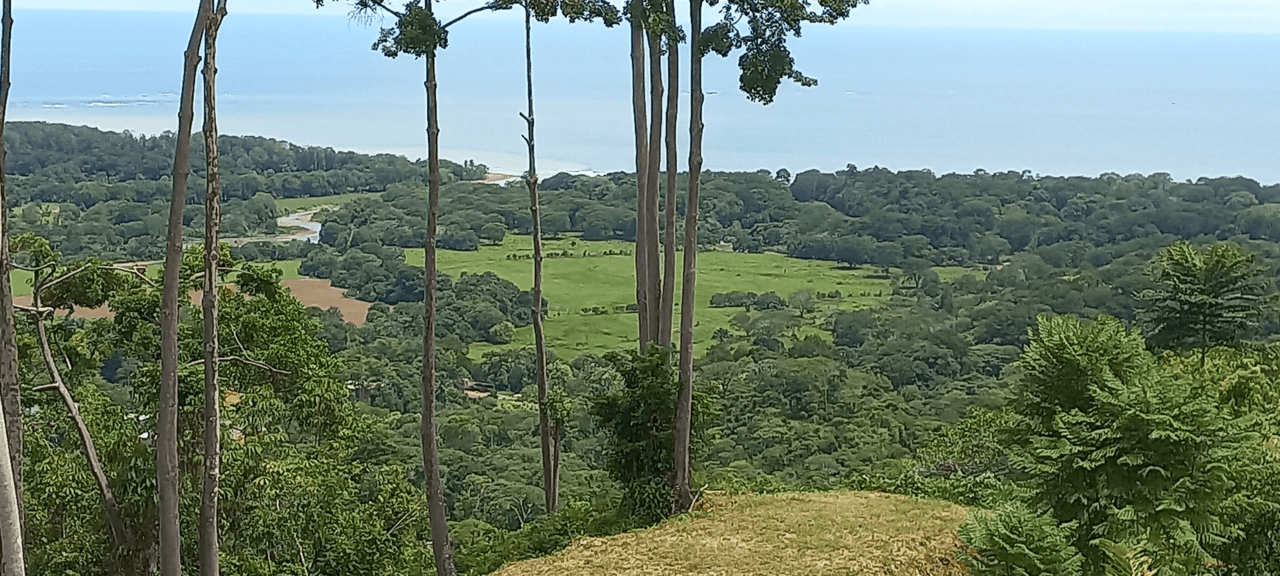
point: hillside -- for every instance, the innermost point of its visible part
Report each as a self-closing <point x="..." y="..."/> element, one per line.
<point x="797" y="534"/>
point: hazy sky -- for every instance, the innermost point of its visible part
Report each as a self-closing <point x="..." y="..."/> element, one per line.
<point x="1244" y="16"/>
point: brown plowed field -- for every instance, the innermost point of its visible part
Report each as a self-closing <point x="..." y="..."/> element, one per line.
<point x="309" y="291"/>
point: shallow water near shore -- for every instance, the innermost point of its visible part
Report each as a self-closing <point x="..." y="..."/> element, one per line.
<point x="1051" y="102"/>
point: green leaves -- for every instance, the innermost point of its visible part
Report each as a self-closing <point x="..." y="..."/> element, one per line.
<point x="1210" y="296"/>
<point x="1133" y="452"/>
<point x="1017" y="542"/>
<point x="761" y="28"/>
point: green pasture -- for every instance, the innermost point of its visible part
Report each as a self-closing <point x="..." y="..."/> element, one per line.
<point x="291" y="205"/>
<point x="575" y="284"/>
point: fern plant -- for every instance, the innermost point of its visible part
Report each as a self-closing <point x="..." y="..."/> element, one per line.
<point x="1126" y="452"/>
<point x="1017" y="542"/>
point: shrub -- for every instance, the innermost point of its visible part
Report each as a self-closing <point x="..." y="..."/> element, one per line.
<point x="1016" y="542"/>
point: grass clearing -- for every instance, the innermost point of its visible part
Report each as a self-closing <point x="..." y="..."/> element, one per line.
<point x="798" y="534"/>
<point x="572" y="284"/>
<point x="291" y="205"/>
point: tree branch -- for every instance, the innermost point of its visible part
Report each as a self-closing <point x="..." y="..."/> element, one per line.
<point x="131" y="270"/>
<point x="247" y="362"/>
<point x="494" y="6"/>
<point x="33" y="270"/>
<point x="34" y="310"/>
<point x="66" y="276"/>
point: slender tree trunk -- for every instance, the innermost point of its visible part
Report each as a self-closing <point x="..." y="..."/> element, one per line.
<point x="208" y="533"/>
<point x="642" y="171"/>
<point x="673" y="169"/>
<point x="441" y="548"/>
<point x="654" y="251"/>
<point x="11" y="525"/>
<point x="550" y="488"/>
<point x="11" y="560"/>
<point x="9" y="391"/>
<point x="555" y="454"/>
<point x="167" y="417"/>
<point x="111" y="508"/>
<point x="684" y="407"/>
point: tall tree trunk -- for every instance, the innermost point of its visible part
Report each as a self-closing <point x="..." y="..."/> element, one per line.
<point x="167" y="417"/>
<point x="654" y="251"/>
<point x="11" y="560"/>
<point x="642" y="171"/>
<point x="441" y="548"/>
<point x="684" y="407"/>
<point x="673" y="169"/>
<point x="9" y="391"/>
<point x="111" y="508"/>
<point x="208" y="532"/>
<point x="555" y="454"/>
<point x="550" y="488"/>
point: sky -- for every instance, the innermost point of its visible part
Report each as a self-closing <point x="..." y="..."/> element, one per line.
<point x="1229" y="16"/>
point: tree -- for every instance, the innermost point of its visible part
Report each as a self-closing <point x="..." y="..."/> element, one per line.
<point x="167" y="417"/>
<point x="11" y="513"/>
<point x="208" y="530"/>
<point x="551" y="487"/>
<point x="493" y="232"/>
<point x="418" y="32"/>
<point x="635" y="13"/>
<point x="49" y="277"/>
<point x="1130" y="451"/>
<point x="1209" y="297"/>
<point x="802" y="301"/>
<point x="764" y="63"/>
<point x="673" y="170"/>
<point x="683" y="425"/>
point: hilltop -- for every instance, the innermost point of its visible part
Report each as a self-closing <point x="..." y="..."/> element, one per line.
<point x="797" y="534"/>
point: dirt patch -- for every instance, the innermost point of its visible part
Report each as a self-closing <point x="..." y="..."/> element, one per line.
<point x="321" y="294"/>
<point x="496" y="177"/>
<point x="309" y="291"/>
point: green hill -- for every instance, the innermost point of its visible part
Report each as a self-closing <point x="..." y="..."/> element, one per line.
<point x="797" y="534"/>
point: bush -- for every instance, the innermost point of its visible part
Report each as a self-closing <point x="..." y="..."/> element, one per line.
<point x="1015" y="542"/>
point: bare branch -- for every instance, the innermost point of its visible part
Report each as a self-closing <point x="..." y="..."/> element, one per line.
<point x="247" y="362"/>
<point x="494" y="6"/>
<point x="66" y="276"/>
<point x="46" y="388"/>
<point x="36" y="269"/>
<point x="132" y="270"/>
<point x="34" y="310"/>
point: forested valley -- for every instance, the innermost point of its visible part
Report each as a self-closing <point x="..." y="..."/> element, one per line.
<point x="233" y="355"/>
<point x="952" y="366"/>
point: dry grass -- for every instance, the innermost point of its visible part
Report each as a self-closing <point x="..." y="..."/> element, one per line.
<point x="845" y="533"/>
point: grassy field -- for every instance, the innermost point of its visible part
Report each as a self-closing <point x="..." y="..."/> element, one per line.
<point x="574" y="285"/>
<point x="571" y="284"/>
<point x="799" y="534"/>
<point x="291" y="205"/>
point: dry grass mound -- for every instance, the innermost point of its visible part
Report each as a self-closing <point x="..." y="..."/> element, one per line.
<point x="846" y="533"/>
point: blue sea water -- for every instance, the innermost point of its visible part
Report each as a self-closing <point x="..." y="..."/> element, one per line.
<point x="951" y="100"/>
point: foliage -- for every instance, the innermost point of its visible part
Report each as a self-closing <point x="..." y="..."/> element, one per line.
<point x="1017" y="542"/>
<point x="1126" y="452"/>
<point x="637" y="417"/>
<point x="975" y="445"/>
<point x="1205" y="297"/>
<point x="96" y="193"/>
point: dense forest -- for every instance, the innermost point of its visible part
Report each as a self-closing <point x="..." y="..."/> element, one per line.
<point x="1088" y="364"/>
<point x="106" y="194"/>
<point x="923" y="393"/>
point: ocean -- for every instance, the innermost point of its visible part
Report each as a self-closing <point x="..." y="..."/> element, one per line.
<point x="950" y="100"/>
